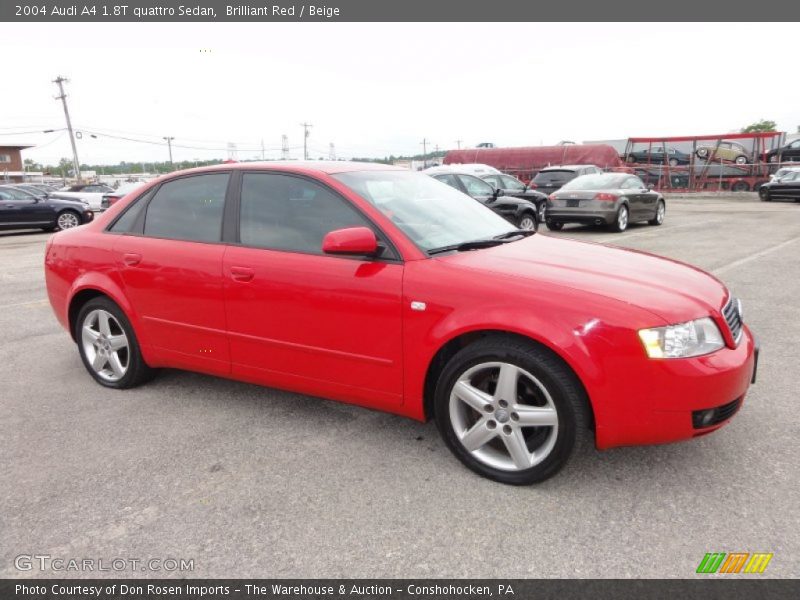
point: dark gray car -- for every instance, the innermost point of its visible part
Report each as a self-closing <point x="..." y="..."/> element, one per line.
<point x="613" y="199"/>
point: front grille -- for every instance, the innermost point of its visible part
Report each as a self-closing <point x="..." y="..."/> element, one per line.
<point x="733" y="318"/>
<point x="714" y="416"/>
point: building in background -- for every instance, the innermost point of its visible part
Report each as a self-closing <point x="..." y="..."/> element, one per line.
<point x="11" y="168"/>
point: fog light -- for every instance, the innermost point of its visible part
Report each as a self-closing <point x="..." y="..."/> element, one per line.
<point x="703" y="418"/>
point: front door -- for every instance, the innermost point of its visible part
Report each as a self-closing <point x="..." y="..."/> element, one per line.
<point x="302" y="320"/>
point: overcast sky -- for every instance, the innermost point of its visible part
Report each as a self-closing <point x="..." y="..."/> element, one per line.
<point x="379" y="89"/>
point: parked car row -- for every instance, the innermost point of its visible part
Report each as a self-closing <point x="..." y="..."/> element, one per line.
<point x="724" y="150"/>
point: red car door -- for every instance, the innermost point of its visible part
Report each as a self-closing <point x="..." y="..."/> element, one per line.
<point x="300" y="319"/>
<point x="172" y="272"/>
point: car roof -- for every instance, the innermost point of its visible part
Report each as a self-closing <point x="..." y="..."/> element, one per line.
<point x="327" y="167"/>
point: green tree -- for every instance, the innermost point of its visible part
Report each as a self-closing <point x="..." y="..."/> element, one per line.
<point x="762" y="125"/>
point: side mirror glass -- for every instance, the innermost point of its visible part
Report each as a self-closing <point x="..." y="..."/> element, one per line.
<point x="352" y="240"/>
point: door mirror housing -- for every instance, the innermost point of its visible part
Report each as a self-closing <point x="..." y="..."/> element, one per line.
<point x="352" y="241"/>
<point x="499" y="192"/>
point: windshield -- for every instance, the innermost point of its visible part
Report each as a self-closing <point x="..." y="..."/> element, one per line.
<point x="553" y="177"/>
<point x="430" y="213"/>
<point x="602" y="181"/>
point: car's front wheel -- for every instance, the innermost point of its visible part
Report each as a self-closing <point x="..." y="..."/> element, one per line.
<point x="763" y="193"/>
<point x="673" y="162"/>
<point x="67" y="219"/>
<point x="621" y="221"/>
<point x="510" y="410"/>
<point x="108" y="345"/>
<point x="527" y="221"/>
<point x="741" y="160"/>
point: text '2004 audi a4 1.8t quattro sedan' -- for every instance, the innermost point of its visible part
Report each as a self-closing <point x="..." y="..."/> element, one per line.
<point x="390" y="290"/>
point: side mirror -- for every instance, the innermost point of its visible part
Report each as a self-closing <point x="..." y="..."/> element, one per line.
<point x="499" y="192"/>
<point x="352" y="240"/>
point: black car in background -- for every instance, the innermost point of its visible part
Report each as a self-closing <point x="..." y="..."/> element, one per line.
<point x="512" y="186"/>
<point x="22" y="210"/>
<point x="550" y="179"/>
<point x="522" y="213"/>
<point x="788" y="153"/>
<point x="787" y="186"/>
<point x="658" y="156"/>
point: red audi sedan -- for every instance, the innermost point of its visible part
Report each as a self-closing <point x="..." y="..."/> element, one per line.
<point x="390" y="290"/>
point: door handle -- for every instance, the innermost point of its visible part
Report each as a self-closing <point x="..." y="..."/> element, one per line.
<point x="131" y="259"/>
<point x="243" y="274"/>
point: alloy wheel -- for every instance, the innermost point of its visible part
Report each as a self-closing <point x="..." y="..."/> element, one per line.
<point x="660" y="213"/>
<point x="105" y="345"/>
<point x="622" y="219"/>
<point x="503" y="416"/>
<point x="527" y="223"/>
<point x="67" y="220"/>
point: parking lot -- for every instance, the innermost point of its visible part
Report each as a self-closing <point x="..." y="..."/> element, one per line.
<point x="248" y="481"/>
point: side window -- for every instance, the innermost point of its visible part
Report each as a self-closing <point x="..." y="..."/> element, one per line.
<point x="494" y="180"/>
<point x="510" y="183"/>
<point x="283" y="212"/>
<point x="475" y="186"/>
<point x="126" y="221"/>
<point x="448" y="179"/>
<point x="189" y="208"/>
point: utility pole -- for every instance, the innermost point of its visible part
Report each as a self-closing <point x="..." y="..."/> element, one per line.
<point x="424" y="153"/>
<point x="169" y="144"/>
<point x="332" y="152"/>
<point x="306" y="127"/>
<point x="262" y="148"/>
<point x="63" y="97"/>
<point x="284" y="147"/>
<point x="458" y="143"/>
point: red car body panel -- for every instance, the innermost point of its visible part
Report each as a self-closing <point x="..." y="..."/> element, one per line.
<point x="343" y="328"/>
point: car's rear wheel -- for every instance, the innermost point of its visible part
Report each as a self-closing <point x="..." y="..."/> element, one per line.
<point x="740" y="186"/>
<point x="763" y="193"/>
<point x="527" y="221"/>
<point x="673" y="162"/>
<point x="555" y="225"/>
<point x="661" y="210"/>
<point x="621" y="221"/>
<point x="108" y="345"/>
<point x="741" y="160"/>
<point x="510" y="410"/>
<point x="67" y="219"/>
<point x="702" y="152"/>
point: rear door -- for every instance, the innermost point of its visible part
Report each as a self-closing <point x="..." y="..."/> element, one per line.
<point x="304" y="320"/>
<point x="171" y="266"/>
<point x="477" y="188"/>
<point x="23" y="209"/>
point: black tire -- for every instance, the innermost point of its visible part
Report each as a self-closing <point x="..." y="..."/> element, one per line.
<point x="67" y="219"/>
<point x="702" y="152"/>
<point x="661" y="208"/>
<point x="763" y="193"/>
<point x="554" y="225"/>
<point x="564" y="388"/>
<point x="528" y="221"/>
<point x="619" y="225"/>
<point x="138" y="372"/>
<point x="740" y="186"/>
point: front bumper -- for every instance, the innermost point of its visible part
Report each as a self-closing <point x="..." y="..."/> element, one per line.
<point x="661" y="402"/>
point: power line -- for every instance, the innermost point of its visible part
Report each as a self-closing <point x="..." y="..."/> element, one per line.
<point x="63" y="97"/>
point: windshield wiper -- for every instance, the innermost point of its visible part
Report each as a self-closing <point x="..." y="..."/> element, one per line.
<point x="473" y="245"/>
<point x="514" y="233"/>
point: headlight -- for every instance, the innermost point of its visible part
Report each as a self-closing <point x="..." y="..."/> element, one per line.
<point x="683" y="340"/>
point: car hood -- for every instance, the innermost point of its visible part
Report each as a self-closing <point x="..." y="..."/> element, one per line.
<point x="674" y="291"/>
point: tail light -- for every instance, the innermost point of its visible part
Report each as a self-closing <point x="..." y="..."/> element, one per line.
<point x="113" y="199"/>
<point x="605" y="196"/>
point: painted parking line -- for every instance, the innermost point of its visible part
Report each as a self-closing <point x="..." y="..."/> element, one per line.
<point x="31" y="304"/>
<point x="752" y="257"/>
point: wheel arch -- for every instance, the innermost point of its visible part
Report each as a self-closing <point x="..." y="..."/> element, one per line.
<point x="92" y="286"/>
<point x="453" y="345"/>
